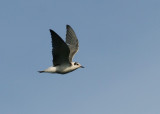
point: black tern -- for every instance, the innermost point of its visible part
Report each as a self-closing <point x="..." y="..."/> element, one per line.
<point x="63" y="52"/>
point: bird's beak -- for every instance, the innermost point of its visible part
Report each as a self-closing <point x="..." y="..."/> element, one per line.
<point x="82" y="67"/>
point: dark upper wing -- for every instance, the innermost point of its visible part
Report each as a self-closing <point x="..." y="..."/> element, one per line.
<point x="72" y="42"/>
<point x="60" y="50"/>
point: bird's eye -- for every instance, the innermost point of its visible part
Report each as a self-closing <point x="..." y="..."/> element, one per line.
<point x="76" y="63"/>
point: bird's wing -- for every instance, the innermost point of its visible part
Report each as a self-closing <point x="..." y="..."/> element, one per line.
<point x="60" y="50"/>
<point x="72" y="42"/>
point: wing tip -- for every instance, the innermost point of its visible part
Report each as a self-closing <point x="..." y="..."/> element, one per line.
<point x="68" y="26"/>
<point x="50" y="30"/>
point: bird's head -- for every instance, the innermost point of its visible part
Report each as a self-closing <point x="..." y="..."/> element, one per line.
<point x="77" y="65"/>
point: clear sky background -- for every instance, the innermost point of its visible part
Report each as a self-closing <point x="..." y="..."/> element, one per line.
<point x="119" y="47"/>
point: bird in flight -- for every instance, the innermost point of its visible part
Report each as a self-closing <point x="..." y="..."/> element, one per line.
<point x="63" y="52"/>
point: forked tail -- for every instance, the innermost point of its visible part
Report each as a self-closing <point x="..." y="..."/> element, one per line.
<point x="40" y="71"/>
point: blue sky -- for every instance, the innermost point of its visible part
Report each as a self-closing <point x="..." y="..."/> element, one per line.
<point x="119" y="47"/>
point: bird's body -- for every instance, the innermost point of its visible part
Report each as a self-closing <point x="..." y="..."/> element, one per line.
<point x="61" y="69"/>
<point x="63" y="53"/>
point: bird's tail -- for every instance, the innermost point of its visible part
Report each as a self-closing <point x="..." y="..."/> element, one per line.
<point x="40" y="71"/>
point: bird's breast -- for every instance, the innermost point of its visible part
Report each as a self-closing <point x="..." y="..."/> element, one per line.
<point x="64" y="69"/>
